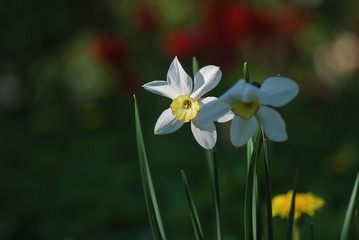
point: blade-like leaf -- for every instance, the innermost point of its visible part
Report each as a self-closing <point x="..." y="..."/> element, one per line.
<point x="255" y="188"/>
<point x="195" y="66"/>
<point x="349" y="213"/>
<point x="148" y="188"/>
<point x="357" y="223"/>
<point x="312" y="231"/>
<point x="213" y="174"/>
<point x="254" y="204"/>
<point x="268" y="188"/>
<point x="250" y="183"/>
<point x="257" y="211"/>
<point x="292" y="210"/>
<point x="249" y="152"/>
<point x="193" y="212"/>
<point x="246" y="72"/>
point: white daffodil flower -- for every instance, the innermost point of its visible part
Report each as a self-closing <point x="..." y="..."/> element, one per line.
<point x="186" y="102"/>
<point x="250" y="103"/>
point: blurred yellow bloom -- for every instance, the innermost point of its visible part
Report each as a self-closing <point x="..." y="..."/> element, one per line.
<point x="304" y="203"/>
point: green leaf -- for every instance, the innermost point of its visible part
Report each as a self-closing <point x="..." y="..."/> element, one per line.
<point x="257" y="223"/>
<point x="246" y="72"/>
<point x="249" y="152"/>
<point x="292" y="210"/>
<point x="250" y="185"/>
<point x="254" y="204"/>
<point x="312" y="231"/>
<point x="148" y="188"/>
<point x="349" y="213"/>
<point x="193" y="212"/>
<point x="257" y="218"/>
<point x="357" y="223"/>
<point x="255" y="199"/>
<point x="268" y="189"/>
<point x="195" y="67"/>
<point x="213" y="174"/>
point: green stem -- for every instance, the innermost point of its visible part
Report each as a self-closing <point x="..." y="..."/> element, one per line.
<point x="312" y="231"/>
<point x="193" y="211"/>
<point x="291" y="220"/>
<point x="268" y="188"/>
<point x="296" y="232"/>
<point x="249" y="192"/>
<point x="148" y="188"/>
<point x="213" y="173"/>
<point x="246" y="72"/>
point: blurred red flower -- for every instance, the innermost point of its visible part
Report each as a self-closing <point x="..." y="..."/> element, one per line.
<point x="222" y="27"/>
<point x="181" y="43"/>
<point x="229" y="20"/>
<point x="262" y="25"/>
<point x="110" y="50"/>
<point x="292" y="21"/>
<point x="146" y="17"/>
<point x="226" y="28"/>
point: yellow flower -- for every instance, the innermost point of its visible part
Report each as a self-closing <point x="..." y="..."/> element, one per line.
<point x="304" y="203"/>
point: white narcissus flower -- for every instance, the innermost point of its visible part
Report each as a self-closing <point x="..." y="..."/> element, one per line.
<point x="250" y="103"/>
<point x="186" y="102"/>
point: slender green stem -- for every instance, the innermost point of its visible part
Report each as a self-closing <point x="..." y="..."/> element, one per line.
<point x="296" y="232"/>
<point x="292" y="210"/>
<point x="257" y="224"/>
<point x="195" y="66"/>
<point x="350" y="209"/>
<point x="246" y="72"/>
<point x="249" y="192"/>
<point x="357" y="223"/>
<point x="148" y="188"/>
<point x="268" y="188"/>
<point x="249" y="152"/>
<point x="312" y="231"/>
<point x="193" y="212"/>
<point x="213" y="173"/>
<point x="254" y="204"/>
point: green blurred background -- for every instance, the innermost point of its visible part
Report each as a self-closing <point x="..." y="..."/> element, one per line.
<point x="68" y="70"/>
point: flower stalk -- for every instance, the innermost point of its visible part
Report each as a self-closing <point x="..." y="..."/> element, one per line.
<point x="268" y="187"/>
<point x="213" y="175"/>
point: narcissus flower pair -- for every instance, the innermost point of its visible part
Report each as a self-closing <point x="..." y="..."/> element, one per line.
<point x="245" y="103"/>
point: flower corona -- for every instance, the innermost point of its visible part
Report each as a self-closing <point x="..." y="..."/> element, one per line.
<point x="185" y="108"/>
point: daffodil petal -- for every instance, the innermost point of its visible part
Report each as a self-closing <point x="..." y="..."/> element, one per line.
<point x="167" y="123"/>
<point x="207" y="100"/>
<point x="242" y="130"/>
<point x="180" y="81"/>
<point x="213" y="111"/>
<point x="241" y="91"/>
<point x="226" y="117"/>
<point x="273" y="124"/>
<point x="277" y="91"/>
<point x="205" y="80"/>
<point x="161" y="88"/>
<point x="205" y="134"/>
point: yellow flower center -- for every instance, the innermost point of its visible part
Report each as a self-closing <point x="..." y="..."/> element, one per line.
<point x="244" y="109"/>
<point x="185" y="108"/>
